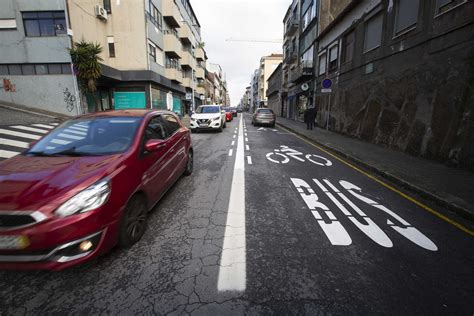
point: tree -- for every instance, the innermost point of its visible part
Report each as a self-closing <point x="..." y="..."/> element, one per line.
<point x="86" y="60"/>
<point x="201" y="45"/>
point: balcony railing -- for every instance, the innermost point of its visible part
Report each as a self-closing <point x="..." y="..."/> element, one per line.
<point x="292" y="25"/>
<point x="302" y="72"/>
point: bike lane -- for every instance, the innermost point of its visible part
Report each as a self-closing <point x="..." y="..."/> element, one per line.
<point x="322" y="237"/>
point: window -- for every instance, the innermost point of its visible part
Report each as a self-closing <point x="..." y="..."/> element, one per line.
<point x="44" y="23"/>
<point x="155" y="129"/>
<point x="309" y="16"/>
<point x="446" y="5"/>
<point x="406" y="15"/>
<point x="333" y="57"/>
<point x="107" y="6"/>
<point x="171" y="124"/>
<point x="348" y="47"/>
<point x="373" y="33"/>
<point x="156" y="16"/>
<point x="152" y="51"/>
<point x="322" y="64"/>
<point x="34" y="69"/>
<point x="111" y="45"/>
<point x="307" y="58"/>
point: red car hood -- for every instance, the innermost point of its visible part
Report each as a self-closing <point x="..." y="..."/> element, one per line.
<point x="34" y="183"/>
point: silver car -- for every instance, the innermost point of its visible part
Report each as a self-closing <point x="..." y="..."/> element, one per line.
<point x="264" y="116"/>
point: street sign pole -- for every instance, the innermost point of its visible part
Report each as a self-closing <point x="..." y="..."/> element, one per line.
<point x="326" y="88"/>
<point x="329" y="111"/>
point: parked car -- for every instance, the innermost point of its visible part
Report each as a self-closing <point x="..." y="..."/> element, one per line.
<point x="208" y="117"/>
<point x="264" y="116"/>
<point x="228" y="115"/>
<point x="234" y="111"/>
<point x="87" y="186"/>
<point x="239" y="109"/>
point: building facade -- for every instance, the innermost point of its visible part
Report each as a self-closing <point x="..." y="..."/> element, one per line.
<point x="158" y="61"/>
<point x="402" y="74"/>
<point x="268" y="64"/>
<point x="273" y="92"/>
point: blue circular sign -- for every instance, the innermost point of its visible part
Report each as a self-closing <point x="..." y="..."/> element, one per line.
<point x="326" y="84"/>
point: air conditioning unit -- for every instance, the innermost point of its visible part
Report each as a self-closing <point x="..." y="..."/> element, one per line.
<point x="100" y="12"/>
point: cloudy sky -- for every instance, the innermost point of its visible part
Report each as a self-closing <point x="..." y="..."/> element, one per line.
<point x="240" y="19"/>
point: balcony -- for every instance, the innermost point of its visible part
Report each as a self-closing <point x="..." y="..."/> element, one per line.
<point x="201" y="90"/>
<point x="199" y="52"/>
<point x="200" y="73"/>
<point x="188" y="83"/>
<point x="171" y="13"/>
<point x="187" y="60"/>
<point x="174" y="74"/>
<point x="292" y="26"/>
<point x="302" y="73"/>
<point x="185" y="34"/>
<point x="172" y="43"/>
<point x="291" y="57"/>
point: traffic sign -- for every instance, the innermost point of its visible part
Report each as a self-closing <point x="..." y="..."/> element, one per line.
<point x="326" y="84"/>
<point x="326" y="90"/>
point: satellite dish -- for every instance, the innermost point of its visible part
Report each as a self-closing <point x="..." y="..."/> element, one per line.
<point x="304" y="87"/>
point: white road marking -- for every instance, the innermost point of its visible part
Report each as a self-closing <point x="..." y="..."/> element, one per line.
<point x="233" y="142"/>
<point x="19" y="134"/>
<point x="231" y="151"/>
<point x="30" y="129"/>
<point x="232" y="270"/>
<point x="55" y="124"/>
<point x="14" y="143"/>
<point x="235" y="136"/>
<point x="44" y="126"/>
<point x="249" y="160"/>
<point x="247" y="147"/>
<point x="246" y="139"/>
<point x="7" y="153"/>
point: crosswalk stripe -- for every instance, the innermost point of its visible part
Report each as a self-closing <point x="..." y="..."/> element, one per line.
<point x="14" y="143"/>
<point x="44" y="126"/>
<point x="60" y="141"/>
<point x="70" y="136"/>
<point x="18" y="134"/>
<point x="75" y="132"/>
<point x="30" y="129"/>
<point x="7" y="153"/>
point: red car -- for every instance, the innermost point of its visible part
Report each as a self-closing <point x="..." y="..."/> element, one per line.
<point x="87" y="186"/>
<point x="228" y="115"/>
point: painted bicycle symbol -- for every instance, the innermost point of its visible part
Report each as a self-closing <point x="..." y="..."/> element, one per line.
<point x="283" y="155"/>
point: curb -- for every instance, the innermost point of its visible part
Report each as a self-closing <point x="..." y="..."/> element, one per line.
<point x="18" y="108"/>
<point x="461" y="211"/>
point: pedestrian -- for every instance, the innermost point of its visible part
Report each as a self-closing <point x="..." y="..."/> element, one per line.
<point x="306" y="118"/>
<point x="312" y="113"/>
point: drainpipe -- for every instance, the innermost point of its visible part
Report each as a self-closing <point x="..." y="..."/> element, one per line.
<point x="74" y="78"/>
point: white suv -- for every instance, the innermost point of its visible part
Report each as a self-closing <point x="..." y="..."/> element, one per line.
<point x="208" y="117"/>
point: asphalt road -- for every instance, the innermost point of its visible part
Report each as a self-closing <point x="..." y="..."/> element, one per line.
<point x="250" y="235"/>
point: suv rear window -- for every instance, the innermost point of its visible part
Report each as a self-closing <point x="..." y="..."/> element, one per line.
<point x="265" y="111"/>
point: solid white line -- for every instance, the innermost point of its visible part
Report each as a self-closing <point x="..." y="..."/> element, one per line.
<point x="231" y="151"/>
<point x="18" y="134"/>
<point x="44" y="126"/>
<point x="30" y="129"/>
<point x="249" y="160"/>
<point x="14" y="143"/>
<point x="232" y="269"/>
<point x="247" y="147"/>
<point x="7" y="154"/>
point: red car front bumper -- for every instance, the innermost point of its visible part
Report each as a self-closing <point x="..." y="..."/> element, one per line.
<point x="59" y="243"/>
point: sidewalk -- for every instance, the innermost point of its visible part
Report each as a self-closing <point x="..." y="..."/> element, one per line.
<point x="450" y="187"/>
<point x="19" y="114"/>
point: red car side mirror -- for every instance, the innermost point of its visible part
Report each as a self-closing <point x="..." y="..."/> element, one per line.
<point x="154" y="145"/>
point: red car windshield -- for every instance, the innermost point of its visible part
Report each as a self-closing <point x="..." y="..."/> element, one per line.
<point x="88" y="137"/>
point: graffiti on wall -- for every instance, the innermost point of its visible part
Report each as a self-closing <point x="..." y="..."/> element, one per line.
<point x="70" y="99"/>
<point x="8" y="86"/>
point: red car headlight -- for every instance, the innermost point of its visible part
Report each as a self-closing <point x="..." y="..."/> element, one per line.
<point x="87" y="200"/>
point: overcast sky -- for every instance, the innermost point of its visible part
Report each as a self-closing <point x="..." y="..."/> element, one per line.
<point x="240" y="19"/>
